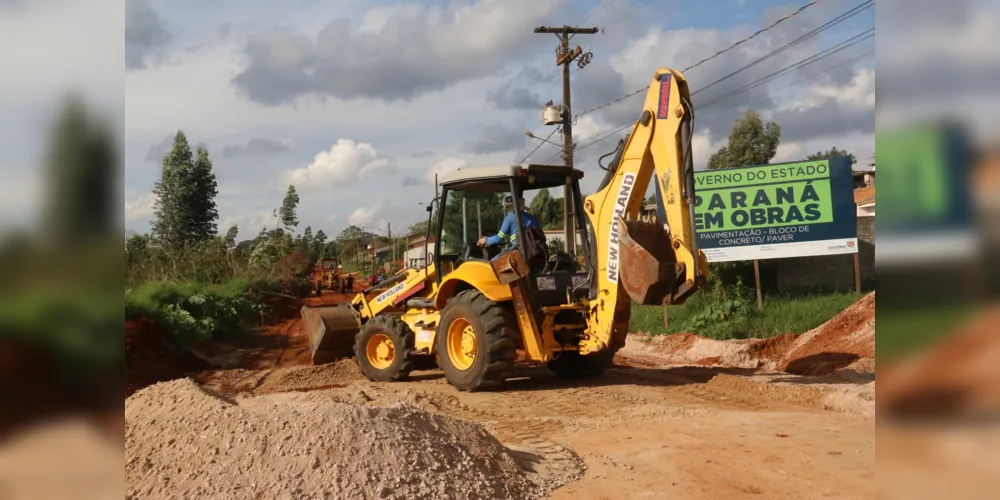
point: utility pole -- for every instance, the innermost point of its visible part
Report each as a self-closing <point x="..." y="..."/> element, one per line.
<point x="392" y="248"/>
<point x="564" y="56"/>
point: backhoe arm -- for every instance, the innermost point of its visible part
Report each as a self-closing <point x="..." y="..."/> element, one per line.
<point x="650" y="263"/>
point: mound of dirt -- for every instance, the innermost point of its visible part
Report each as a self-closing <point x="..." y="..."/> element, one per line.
<point x="838" y="343"/>
<point x="845" y="342"/>
<point x="183" y="442"/>
<point x="956" y="378"/>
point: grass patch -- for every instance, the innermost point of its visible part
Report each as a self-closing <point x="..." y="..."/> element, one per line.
<point x="906" y="331"/>
<point x="197" y="311"/>
<point x="732" y="314"/>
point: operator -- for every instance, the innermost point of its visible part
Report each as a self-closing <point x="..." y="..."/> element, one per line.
<point x="508" y="230"/>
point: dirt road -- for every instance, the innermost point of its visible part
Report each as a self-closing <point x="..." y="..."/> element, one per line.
<point x="648" y="429"/>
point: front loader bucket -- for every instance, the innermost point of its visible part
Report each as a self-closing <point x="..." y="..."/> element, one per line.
<point x="331" y="332"/>
<point x="648" y="267"/>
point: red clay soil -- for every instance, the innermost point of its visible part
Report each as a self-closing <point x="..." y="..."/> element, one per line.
<point x="957" y="378"/>
<point x="280" y="342"/>
<point x="848" y="337"/>
<point x="774" y="348"/>
<point x="842" y="341"/>
<point x="152" y="356"/>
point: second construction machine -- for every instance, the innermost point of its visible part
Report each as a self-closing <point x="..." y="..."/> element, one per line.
<point x="469" y="314"/>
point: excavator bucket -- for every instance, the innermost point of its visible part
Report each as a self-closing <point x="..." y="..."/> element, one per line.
<point x="331" y="332"/>
<point x="648" y="267"/>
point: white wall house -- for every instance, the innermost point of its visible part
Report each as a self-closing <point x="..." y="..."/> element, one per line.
<point x="414" y="255"/>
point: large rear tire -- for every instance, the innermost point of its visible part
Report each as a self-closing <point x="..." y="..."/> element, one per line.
<point x="475" y="344"/>
<point x="383" y="349"/>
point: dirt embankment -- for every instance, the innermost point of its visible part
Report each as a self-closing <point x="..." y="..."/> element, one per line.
<point x="152" y="355"/>
<point x="956" y="378"/>
<point x="845" y="343"/>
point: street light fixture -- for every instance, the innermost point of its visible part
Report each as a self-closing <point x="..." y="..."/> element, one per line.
<point x="533" y="136"/>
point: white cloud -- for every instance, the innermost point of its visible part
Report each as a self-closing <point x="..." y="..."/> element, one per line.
<point x="343" y="164"/>
<point x="250" y="223"/>
<point x="20" y="194"/>
<point x="858" y="93"/>
<point x="82" y="46"/>
<point x="788" y="151"/>
<point x="702" y="149"/>
<point x="366" y="215"/>
<point x="140" y="207"/>
<point x="585" y="128"/>
<point x="449" y="164"/>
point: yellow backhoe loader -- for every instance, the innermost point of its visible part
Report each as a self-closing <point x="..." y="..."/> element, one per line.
<point x="468" y="313"/>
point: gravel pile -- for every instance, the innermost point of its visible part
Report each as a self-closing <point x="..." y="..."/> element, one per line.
<point x="184" y="442"/>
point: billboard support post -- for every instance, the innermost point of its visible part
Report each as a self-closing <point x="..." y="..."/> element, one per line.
<point x="756" y="279"/>
<point x="857" y="275"/>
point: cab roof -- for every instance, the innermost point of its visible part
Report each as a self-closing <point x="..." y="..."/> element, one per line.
<point x="497" y="179"/>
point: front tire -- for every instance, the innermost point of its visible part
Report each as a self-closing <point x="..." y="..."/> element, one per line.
<point x="383" y="349"/>
<point x="475" y="343"/>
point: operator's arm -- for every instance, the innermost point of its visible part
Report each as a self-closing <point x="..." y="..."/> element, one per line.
<point x="505" y="230"/>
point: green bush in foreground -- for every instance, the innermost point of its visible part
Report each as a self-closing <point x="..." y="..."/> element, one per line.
<point x="195" y="311"/>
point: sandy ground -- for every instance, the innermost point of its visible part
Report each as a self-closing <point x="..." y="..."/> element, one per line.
<point x="728" y="424"/>
<point x="650" y="432"/>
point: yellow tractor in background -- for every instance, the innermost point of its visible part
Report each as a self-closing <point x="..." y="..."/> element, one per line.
<point x="469" y="314"/>
<point x="328" y="275"/>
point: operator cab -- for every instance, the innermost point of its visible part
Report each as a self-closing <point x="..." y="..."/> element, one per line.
<point x="472" y="206"/>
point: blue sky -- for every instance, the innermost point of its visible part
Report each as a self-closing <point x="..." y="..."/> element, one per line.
<point x="361" y="102"/>
<point x="386" y="94"/>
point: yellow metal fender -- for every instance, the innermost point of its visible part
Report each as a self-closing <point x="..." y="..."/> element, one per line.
<point x="478" y="275"/>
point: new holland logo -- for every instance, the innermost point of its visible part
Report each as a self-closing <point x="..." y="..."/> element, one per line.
<point x="389" y="293"/>
<point x="624" y="193"/>
<point x="663" y="109"/>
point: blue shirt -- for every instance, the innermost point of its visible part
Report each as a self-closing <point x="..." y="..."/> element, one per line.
<point x="508" y="230"/>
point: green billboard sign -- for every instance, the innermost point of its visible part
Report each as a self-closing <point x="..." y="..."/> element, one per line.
<point x="775" y="211"/>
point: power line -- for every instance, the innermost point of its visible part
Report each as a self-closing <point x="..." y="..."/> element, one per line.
<point x="703" y="61"/>
<point x="539" y="145"/>
<point x="599" y="8"/>
<point x="850" y="42"/>
<point x="808" y="77"/>
<point x="733" y="46"/>
<point x="602" y="136"/>
<point x="829" y="24"/>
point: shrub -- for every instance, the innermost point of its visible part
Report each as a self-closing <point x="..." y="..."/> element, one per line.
<point x="193" y="311"/>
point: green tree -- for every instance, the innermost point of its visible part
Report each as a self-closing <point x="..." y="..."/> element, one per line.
<point x="751" y="142"/>
<point x="80" y="166"/>
<point x="492" y="215"/>
<point x="549" y="210"/>
<point x="231" y="235"/>
<point x="555" y="246"/>
<point x="317" y="245"/>
<point x="185" y="210"/>
<point x="350" y="241"/>
<point x="832" y="153"/>
<point x="650" y="200"/>
<point x="286" y="214"/>
<point x="172" y="191"/>
<point x="419" y="228"/>
<point x="203" y="212"/>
